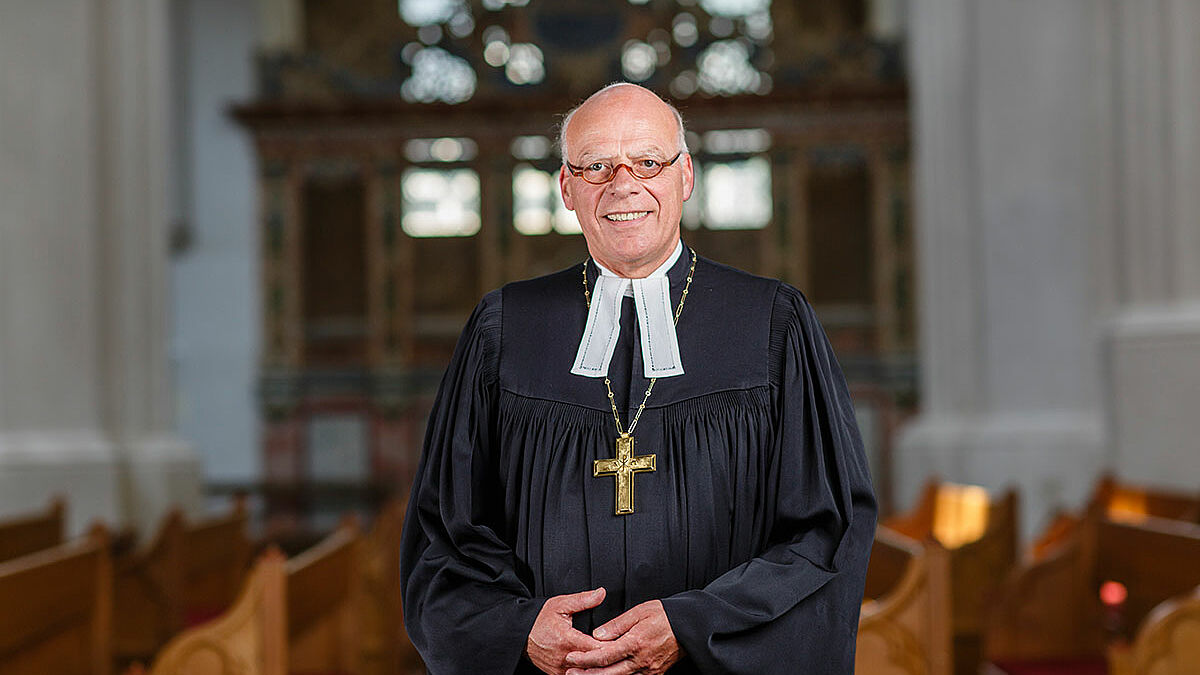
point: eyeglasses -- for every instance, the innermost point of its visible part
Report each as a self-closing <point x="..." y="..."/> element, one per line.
<point x="600" y="172"/>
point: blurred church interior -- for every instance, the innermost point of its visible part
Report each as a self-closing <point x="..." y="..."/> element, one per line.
<point x="238" y="239"/>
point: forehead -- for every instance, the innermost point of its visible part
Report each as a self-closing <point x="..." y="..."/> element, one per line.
<point x="622" y="122"/>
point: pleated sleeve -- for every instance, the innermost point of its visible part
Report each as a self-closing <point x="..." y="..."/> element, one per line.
<point x="467" y="606"/>
<point x="794" y="607"/>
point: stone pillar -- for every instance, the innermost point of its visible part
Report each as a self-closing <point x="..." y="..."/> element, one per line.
<point x="84" y="402"/>
<point x="1012" y="168"/>
<point x="1154" y="340"/>
<point x="161" y="470"/>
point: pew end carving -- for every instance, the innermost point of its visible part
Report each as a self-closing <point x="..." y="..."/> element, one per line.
<point x="1167" y="644"/>
<point x="905" y="624"/>
<point x="250" y="638"/>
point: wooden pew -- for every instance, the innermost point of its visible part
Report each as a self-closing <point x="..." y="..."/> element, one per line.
<point x="1050" y="614"/>
<point x="1126" y="501"/>
<point x="324" y="605"/>
<point x="185" y="575"/>
<point x="1168" y="642"/>
<point x="56" y="610"/>
<point x="905" y="624"/>
<point x="980" y="535"/>
<point x="294" y="616"/>
<point x="216" y="554"/>
<point x="148" y="593"/>
<point x="250" y="638"/>
<point x="25" y="534"/>
<point x="386" y="649"/>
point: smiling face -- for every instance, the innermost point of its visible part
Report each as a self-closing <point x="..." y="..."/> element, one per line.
<point x="631" y="225"/>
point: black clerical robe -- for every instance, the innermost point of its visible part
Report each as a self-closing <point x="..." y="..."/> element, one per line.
<point x="754" y="530"/>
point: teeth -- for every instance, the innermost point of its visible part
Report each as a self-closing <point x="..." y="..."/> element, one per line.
<point x="621" y="217"/>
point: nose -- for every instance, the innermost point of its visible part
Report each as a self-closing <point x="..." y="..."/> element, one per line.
<point x="623" y="183"/>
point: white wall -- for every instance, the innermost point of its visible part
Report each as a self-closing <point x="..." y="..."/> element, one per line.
<point x="215" y="328"/>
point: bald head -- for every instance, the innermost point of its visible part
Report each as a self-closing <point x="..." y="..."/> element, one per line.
<point x="620" y="94"/>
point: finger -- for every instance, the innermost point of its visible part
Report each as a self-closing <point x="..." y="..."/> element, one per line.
<point x="577" y="602"/>
<point x="623" y="667"/>
<point x="606" y="654"/>
<point x="620" y="625"/>
<point x="574" y="642"/>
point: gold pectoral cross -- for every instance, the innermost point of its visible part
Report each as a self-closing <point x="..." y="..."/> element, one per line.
<point x="623" y="466"/>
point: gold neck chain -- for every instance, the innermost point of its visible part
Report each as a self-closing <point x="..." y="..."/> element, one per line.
<point x="587" y="297"/>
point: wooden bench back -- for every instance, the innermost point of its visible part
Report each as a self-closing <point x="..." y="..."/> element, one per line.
<point x="56" y="610"/>
<point x="148" y="592"/>
<point x="1049" y="607"/>
<point x="25" y="534"/>
<point x="324" y="605"/>
<point x="216" y="554"/>
<point x="905" y="624"/>
<point x="1155" y="560"/>
<point x="386" y="649"/>
<point x="956" y="515"/>
<point x="1125" y="501"/>
<point x="250" y="638"/>
<point x="980" y="534"/>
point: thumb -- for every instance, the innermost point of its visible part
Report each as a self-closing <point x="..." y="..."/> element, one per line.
<point x="577" y="602"/>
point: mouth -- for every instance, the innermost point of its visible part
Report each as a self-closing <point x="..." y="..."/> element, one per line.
<point x="626" y="216"/>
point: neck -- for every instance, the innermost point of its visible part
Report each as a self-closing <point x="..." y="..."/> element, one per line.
<point x="636" y="270"/>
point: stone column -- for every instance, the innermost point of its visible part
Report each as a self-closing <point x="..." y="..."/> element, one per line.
<point x="84" y="404"/>
<point x="1154" y="340"/>
<point x="1013" y="157"/>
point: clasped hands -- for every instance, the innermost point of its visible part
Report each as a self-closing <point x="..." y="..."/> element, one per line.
<point x="638" y="641"/>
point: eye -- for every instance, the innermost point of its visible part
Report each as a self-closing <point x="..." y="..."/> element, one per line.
<point x="648" y="163"/>
<point x="595" y="166"/>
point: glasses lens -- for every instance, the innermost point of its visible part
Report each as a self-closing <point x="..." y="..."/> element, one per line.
<point x="597" y="173"/>
<point x="646" y="168"/>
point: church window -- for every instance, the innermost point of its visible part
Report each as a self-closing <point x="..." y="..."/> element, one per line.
<point x="736" y="141"/>
<point x="725" y="70"/>
<point x="530" y="147"/>
<point x="525" y="64"/>
<point x="495" y="46"/>
<point x="684" y="29"/>
<point x="440" y="202"/>
<point x="438" y="75"/>
<point x="720" y="26"/>
<point x="420" y="150"/>
<point x="758" y="26"/>
<point x="431" y="12"/>
<point x="638" y="60"/>
<point x="737" y="194"/>
<point x="537" y="203"/>
<point x="733" y="181"/>
<point x="497" y="5"/>
<point x="735" y="8"/>
<point x="685" y="84"/>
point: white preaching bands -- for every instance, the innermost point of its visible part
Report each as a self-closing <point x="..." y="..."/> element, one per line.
<point x="652" y="302"/>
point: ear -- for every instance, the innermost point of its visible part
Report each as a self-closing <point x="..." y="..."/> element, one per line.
<point x="564" y="186"/>
<point x="688" y="173"/>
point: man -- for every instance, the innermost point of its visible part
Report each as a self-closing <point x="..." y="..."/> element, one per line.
<point x="616" y="484"/>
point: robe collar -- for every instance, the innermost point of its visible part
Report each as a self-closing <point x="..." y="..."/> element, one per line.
<point x="655" y="315"/>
